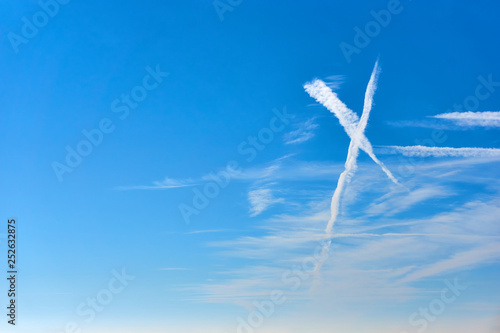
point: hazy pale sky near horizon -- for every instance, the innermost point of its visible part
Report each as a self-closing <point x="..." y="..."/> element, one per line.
<point x="169" y="171"/>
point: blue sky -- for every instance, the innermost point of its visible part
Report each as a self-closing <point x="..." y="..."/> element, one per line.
<point x="219" y="90"/>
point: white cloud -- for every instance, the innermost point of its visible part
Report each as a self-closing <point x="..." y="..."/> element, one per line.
<point x="260" y="200"/>
<point x="470" y="119"/>
<point x="400" y="203"/>
<point x="304" y="133"/>
<point x="355" y="128"/>
<point x="166" y="183"/>
<point x="424" y="123"/>
<point x="205" y="231"/>
<point x="454" y="121"/>
<point x="334" y="82"/>
<point x="422" y="151"/>
<point x="347" y="118"/>
<point x="474" y="257"/>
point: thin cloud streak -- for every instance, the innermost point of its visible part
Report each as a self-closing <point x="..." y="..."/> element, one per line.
<point x="488" y="252"/>
<point x="304" y="133"/>
<point x="206" y="231"/>
<point x="456" y="121"/>
<point x="167" y="183"/>
<point x="483" y="119"/>
<point x="422" y="151"/>
<point x="152" y="187"/>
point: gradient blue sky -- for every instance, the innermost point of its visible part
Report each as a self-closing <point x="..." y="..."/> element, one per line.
<point x="393" y="249"/>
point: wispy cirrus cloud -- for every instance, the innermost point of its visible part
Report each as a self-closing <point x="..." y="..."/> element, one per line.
<point x="334" y="82"/>
<point x="406" y="199"/>
<point x="472" y="119"/>
<point x="374" y="259"/>
<point x="423" y="151"/>
<point x="281" y="168"/>
<point x="424" y="123"/>
<point x="454" y="121"/>
<point x="473" y="257"/>
<point x="206" y="231"/>
<point x="166" y="183"/>
<point x="261" y="199"/>
<point x="173" y="269"/>
<point x="304" y="133"/>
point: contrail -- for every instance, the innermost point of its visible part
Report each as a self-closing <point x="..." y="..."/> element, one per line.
<point x="422" y="151"/>
<point x="355" y="129"/>
<point x="354" y="145"/>
<point x="485" y="119"/>
<point x="347" y="118"/>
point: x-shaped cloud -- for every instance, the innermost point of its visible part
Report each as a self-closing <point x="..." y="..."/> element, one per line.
<point x="353" y="126"/>
<point x="355" y="129"/>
